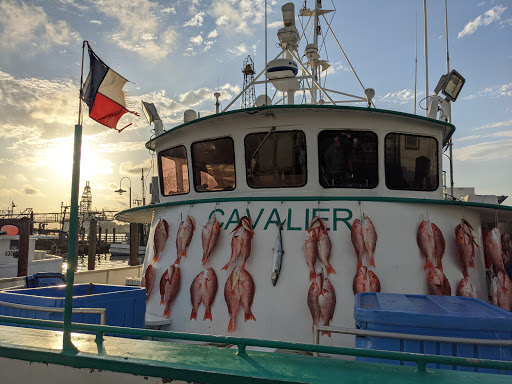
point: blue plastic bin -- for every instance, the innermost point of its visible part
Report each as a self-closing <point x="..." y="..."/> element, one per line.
<point x="44" y="279"/>
<point x="125" y="306"/>
<point x="449" y="316"/>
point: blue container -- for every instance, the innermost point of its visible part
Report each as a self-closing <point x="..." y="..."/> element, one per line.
<point x="125" y="306"/>
<point x="449" y="316"/>
<point x="44" y="279"/>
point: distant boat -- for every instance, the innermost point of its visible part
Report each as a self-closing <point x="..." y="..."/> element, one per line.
<point x="123" y="249"/>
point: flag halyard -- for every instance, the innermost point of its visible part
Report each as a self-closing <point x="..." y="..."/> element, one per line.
<point x="103" y="93"/>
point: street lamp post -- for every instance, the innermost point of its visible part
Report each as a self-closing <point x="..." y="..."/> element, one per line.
<point x="120" y="190"/>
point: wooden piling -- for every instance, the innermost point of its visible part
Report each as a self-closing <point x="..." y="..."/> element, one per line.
<point x="92" y="245"/>
<point x="134" y="244"/>
<point x="113" y="235"/>
<point x="24" y="232"/>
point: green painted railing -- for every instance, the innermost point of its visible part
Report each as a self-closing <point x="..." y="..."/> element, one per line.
<point x="420" y="359"/>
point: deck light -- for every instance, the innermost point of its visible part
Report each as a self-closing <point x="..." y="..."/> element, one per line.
<point x="120" y="191"/>
<point x="150" y="112"/>
<point x="450" y="85"/>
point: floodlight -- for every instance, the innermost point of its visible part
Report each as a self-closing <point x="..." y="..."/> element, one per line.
<point x="150" y="112"/>
<point x="450" y="85"/>
<point x="120" y="191"/>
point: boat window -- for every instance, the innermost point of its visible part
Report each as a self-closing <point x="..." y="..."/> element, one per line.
<point x="275" y="159"/>
<point x="213" y="162"/>
<point x="173" y="171"/>
<point x="348" y="159"/>
<point x="411" y="162"/>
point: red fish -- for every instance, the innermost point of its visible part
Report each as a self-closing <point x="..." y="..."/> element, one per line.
<point x="356" y="234"/>
<point x="324" y="250"/>
<point x="246" y="288"/>
<point x="311" y="252"/>
<point x="439" y="245"/>
<point x="373" y="281"/>
<point x="314" y="291"/>
<point x="502" y="291"/>
<point x="209" y="291"/>
<point x="370" y="239"/>
<point x="437" y="283"/>
<point x="327" y="302"/>
<point x="172" y="287"/>
<point x="148" y="281"/>
<point x="493" y="250"/>
<point x="183" y="237"/>
<point x="506" y="245"/>
<point x="160" y="238"/>
<point x="426" y="243"/>
<point x="246" y="246"/>
<point x="210" y="236"/>
<point x="232" y="297"/>
<point x="236" y="247"/>
<point x="466" y="289"/>
<point x="163" y="280"/>
<point x="196" y="294"/>
<point x="317" y="222"/>
<point x="465" y="242"/>
<point x="361" y="282"/>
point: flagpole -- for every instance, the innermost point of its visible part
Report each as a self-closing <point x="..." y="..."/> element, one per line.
<point x="67" y="344"/>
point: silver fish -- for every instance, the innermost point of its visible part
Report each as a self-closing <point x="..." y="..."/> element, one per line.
<point x="277" y="254"/>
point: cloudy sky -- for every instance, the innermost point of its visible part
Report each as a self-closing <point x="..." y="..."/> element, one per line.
<point x="178" y="53"/>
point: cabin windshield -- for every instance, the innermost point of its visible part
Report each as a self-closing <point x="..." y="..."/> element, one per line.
<point x="213" y="162"/>
<point x="173" y="171"/>
<point x="348" y="159"/>
<point x="276" y="159"/>
<point x="411" y="162"/>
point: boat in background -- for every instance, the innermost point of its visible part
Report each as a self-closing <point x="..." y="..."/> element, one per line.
<point x="123" y="250"/>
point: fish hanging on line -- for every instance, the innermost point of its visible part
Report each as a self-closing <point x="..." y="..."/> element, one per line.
<point x="160" y="238"/>
<point x="183" y="237"/>
<point x="210" y="237"/>
<point x="277" y="254"/>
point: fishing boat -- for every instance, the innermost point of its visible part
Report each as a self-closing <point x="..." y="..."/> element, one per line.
<point x="272" y="218"/>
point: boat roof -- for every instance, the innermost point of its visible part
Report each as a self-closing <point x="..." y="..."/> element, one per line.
<point x="307" y="107"/>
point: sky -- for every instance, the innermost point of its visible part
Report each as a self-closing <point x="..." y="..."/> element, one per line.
<point x="178" y="53"/>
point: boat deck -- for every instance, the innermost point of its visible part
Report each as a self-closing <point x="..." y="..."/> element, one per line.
<point x="209" y="364"/>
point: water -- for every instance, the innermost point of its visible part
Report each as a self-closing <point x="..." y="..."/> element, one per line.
<point x="103" y="261"/>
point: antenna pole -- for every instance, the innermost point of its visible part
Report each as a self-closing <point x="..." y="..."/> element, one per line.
<point x="450" y="143"/>
<point x="81" y="82"/>
<point x="266" y="63"/>
<point x="416" y="65"/>
<point x="426" y="50"/>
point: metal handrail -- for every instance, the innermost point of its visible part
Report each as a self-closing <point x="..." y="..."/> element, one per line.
<point x="405" y="336"/>
<point x="101" y="311"/>
<point x="420" y="359"/>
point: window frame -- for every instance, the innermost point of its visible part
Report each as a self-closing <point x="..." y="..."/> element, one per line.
<point x="305" y="159"/>
<point x="194" y="162"/>
<point x="160" y="171"/>
<point x="350" y="130"/>
<point x="437" y="160"/>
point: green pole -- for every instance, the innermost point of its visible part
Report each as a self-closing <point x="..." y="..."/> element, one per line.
<point x="68" y="346"/>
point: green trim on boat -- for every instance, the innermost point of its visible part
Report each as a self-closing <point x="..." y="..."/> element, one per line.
<point x="407" y="200"/>
<point x="308" y="106"/>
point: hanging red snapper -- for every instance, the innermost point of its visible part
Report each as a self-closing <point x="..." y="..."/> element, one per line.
<point x="324" y="250"/>
<point x="163" y="281"/>
<point x="209" y="291"/>
<point x="310" y="251"/>
<point x="172" y="287"/>
<point x="196" y="294"/>
<point x="232" y="297"/>
<point x="493" y="249"/>
<point x="160" y="238"/>
<point x="210" y="237"/>
<point x="327" y="302"/>
<point x="373" y="281"/>
<point x="361" y="283"/>
<point x="466" y="289"/>
<point x="356" y="235"/>
<point x="314" y="307"/>
<point x="370" y="239"/>
<point x="439" y="245"/>
<point x="246" y="288"/>
<point x="434" y="283"/>
<point x="183" y="237"/>
<point x="148" y="281"/>
<point x="426" y="243"/>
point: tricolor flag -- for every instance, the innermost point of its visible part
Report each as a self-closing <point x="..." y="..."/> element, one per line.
<point x="103" y="93"/>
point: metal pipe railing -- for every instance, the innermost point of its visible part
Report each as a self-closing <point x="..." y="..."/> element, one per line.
<point x="405" y="336"/>
<point x="101" y="311"/>
<point x="420" y="359"/>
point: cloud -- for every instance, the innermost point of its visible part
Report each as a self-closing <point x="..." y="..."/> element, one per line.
<point x="494" y="125"/>
<point x="74" y="4"/>
<point x="494" y="91"/>
<point x="237" y="16"/>
<point x="143" y="35"/>
<point x="25" y="190"/>
<point x="28" y="25"/>
<point x="169" y="10"/>
<point x="493" y="14"/>
<point x="239" y="50"/>
<point x="213" y="34"/>
<point x="494" y="150"/>
<point x="400" y="97"/>
<point x="495" y="134"/>
<point x="128" y="168"/>
<point x="336" y="67"/>
<point x="196" y="20"/>
<point x="198" y="40"/>
<point x="95" y="21"/>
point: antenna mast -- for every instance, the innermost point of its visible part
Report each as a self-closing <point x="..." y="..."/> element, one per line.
<point x="249" y="96"/>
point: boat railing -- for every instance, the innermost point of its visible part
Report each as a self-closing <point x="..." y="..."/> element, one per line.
<point x="421" y="360"/>
<point x="405" y="336"/>
<point x="100" y="311"/>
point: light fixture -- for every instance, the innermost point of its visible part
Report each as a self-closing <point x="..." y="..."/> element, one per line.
<point x="450" y="85"/>
<point x="120" y="191"/>
<point x="150" y="112"/>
